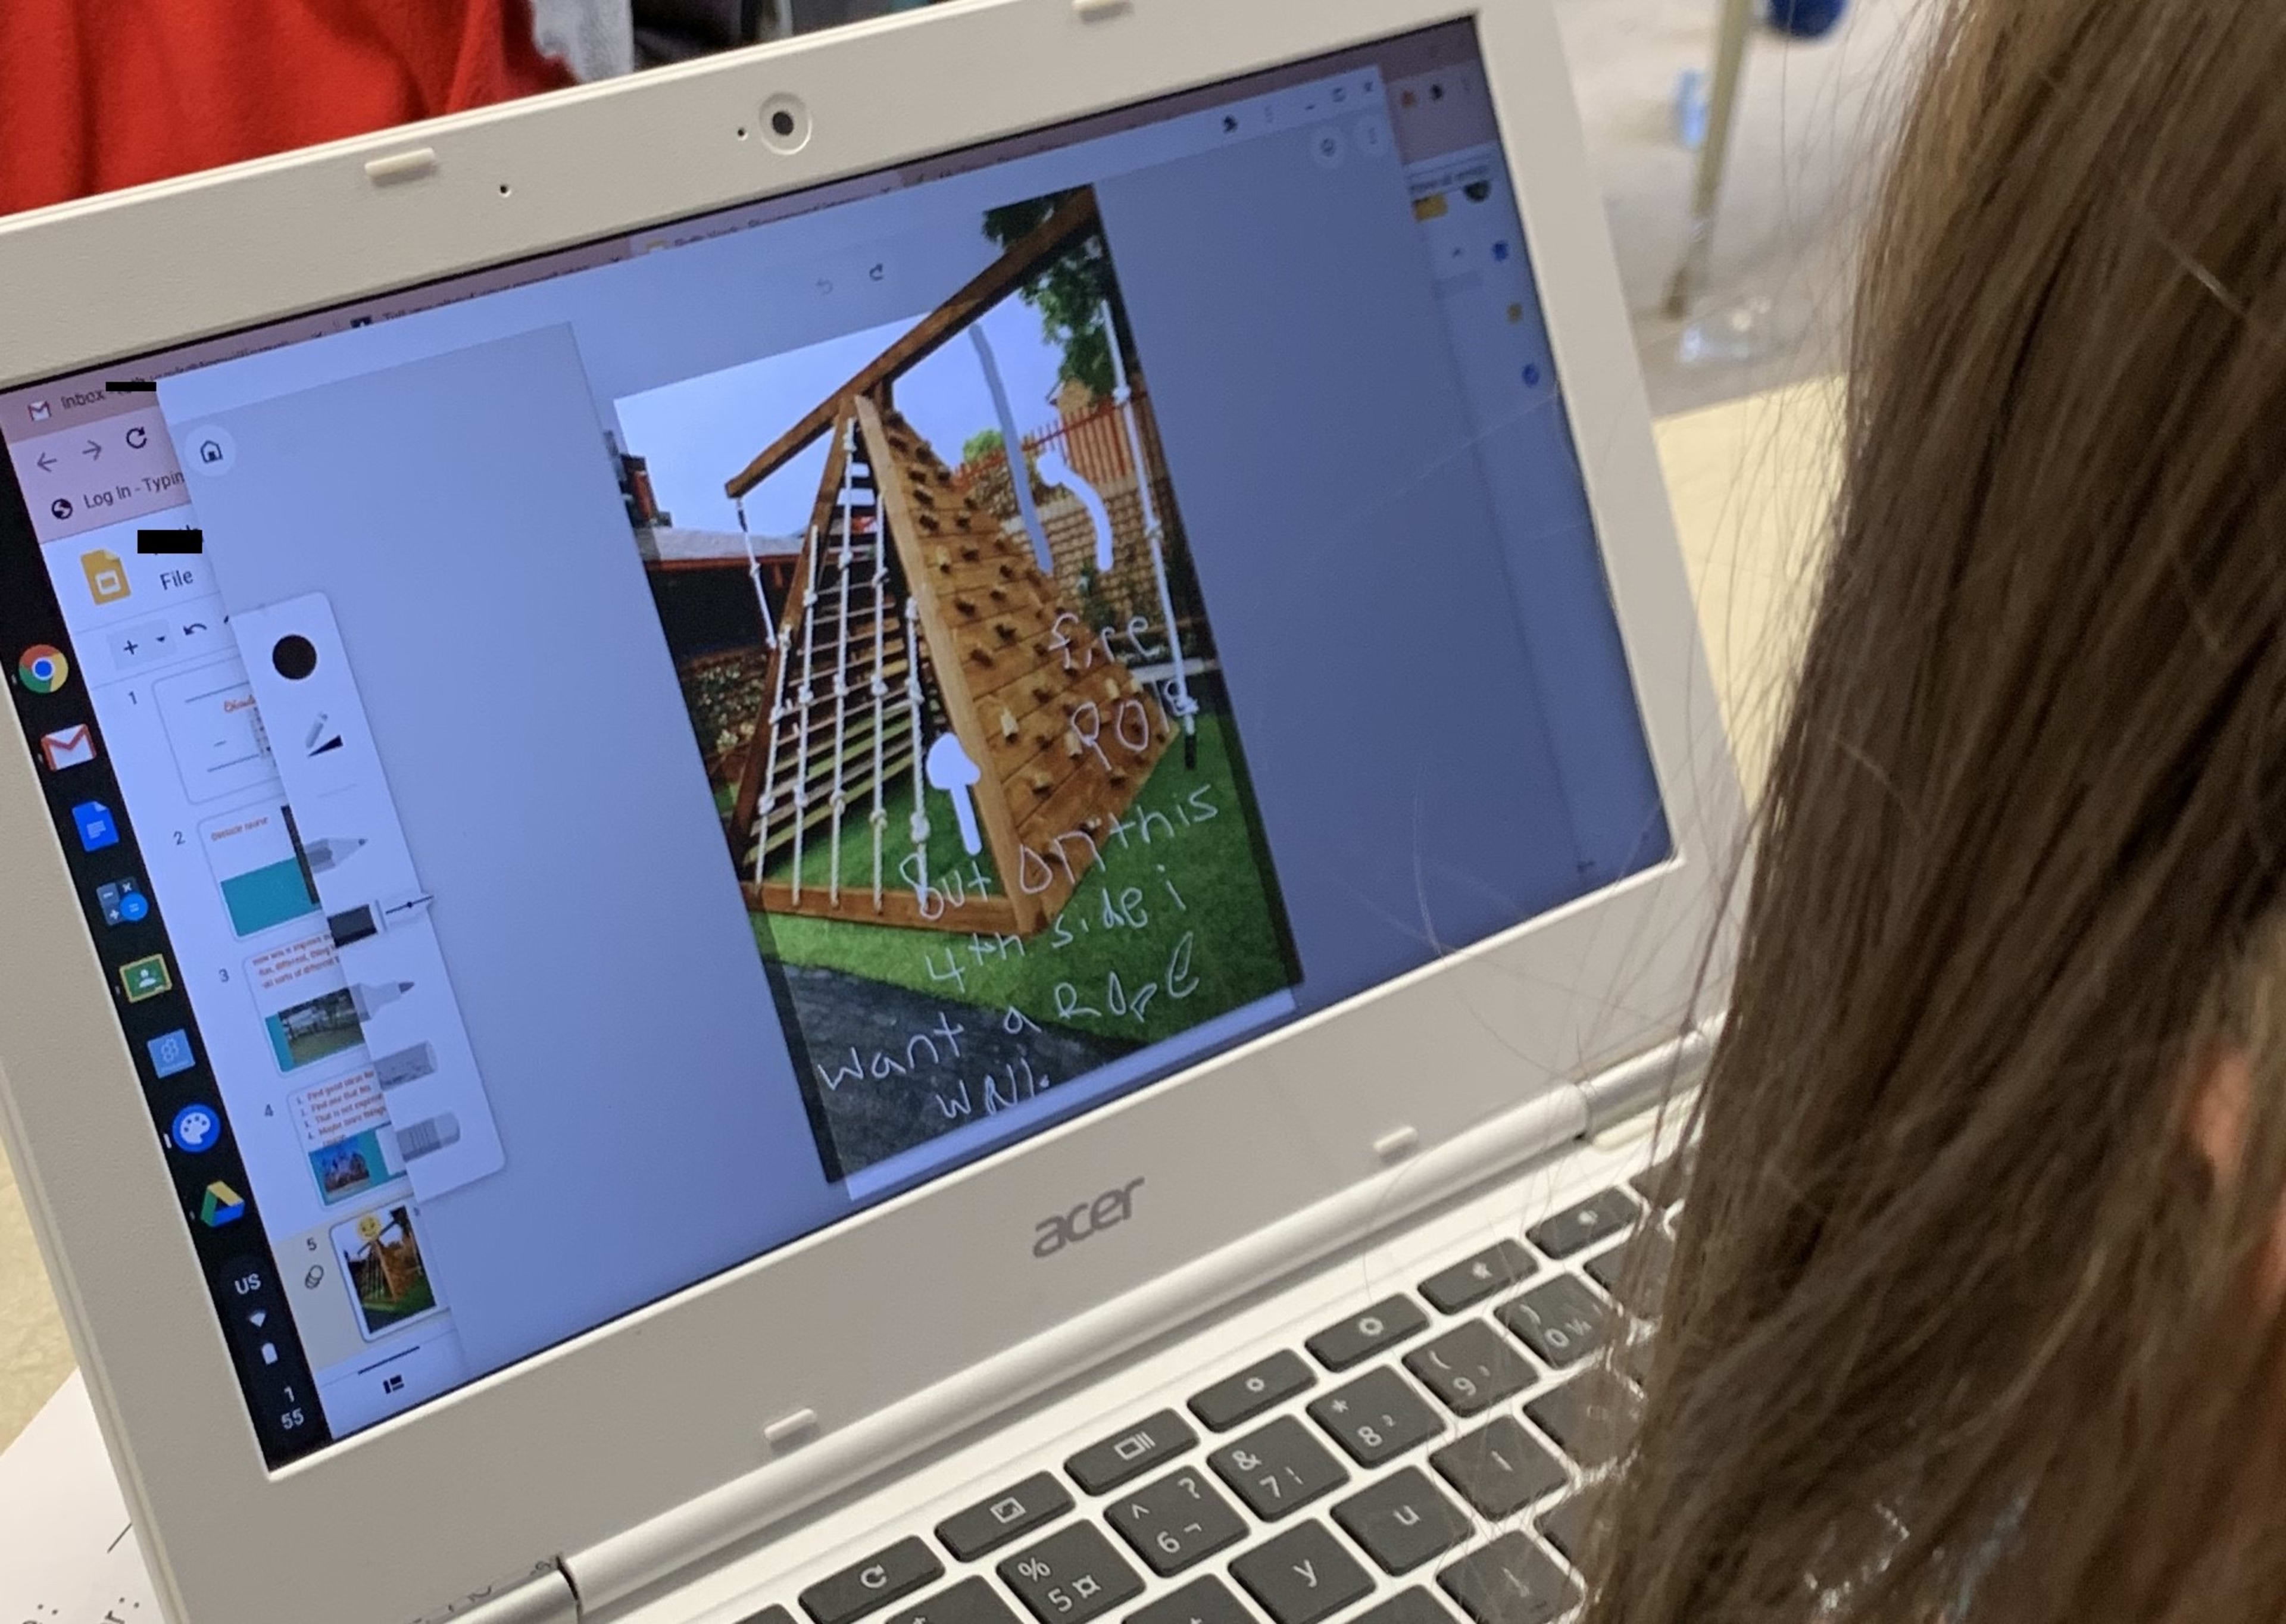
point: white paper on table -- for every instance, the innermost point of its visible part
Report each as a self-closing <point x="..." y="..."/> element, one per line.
<point x="68" y="1552"/>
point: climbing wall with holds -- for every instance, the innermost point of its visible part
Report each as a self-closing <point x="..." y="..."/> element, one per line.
<point x="924" y="647"/>
<point x="1061" y="735"/>
<point x="926" y="650"/>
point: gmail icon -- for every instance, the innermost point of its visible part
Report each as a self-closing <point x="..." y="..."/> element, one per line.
<point x="69" y="747"/>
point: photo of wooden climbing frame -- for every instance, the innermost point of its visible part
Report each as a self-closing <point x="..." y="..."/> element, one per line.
<point x="923" y="645"/>
<point x="953" y="684"/>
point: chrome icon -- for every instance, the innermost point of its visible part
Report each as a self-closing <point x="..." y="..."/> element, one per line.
<point x="43" y="669"/>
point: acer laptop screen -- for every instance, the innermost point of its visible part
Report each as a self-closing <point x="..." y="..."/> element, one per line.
<point x="583" y="773"/>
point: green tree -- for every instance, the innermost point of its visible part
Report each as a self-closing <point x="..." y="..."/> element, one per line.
<point x="1069" y="291"/>
<point x="981" y="444"/>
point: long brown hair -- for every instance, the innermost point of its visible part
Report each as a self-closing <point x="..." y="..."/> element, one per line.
<point x="1962" y="1326"/>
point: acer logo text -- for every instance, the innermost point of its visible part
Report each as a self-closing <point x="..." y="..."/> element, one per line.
<point x="1062" y="1229"/>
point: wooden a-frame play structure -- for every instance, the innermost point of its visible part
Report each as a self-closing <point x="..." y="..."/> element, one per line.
<point x="923" y="644"/>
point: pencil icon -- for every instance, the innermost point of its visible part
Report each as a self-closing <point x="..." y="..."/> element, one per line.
<point x="368" y="996"/>
<point x="330" y="853"/>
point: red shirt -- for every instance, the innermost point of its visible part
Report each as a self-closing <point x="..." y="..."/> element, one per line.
<point x="98" y="94"/>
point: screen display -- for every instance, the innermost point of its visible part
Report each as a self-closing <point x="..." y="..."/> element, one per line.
<point x="583" y="773"/>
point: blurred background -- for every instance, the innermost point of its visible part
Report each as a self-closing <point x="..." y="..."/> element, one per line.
<point x="1769" y="302"/>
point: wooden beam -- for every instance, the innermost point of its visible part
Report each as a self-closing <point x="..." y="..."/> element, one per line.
<point x="1074" y="218"/>
<point x="984" y="915"/>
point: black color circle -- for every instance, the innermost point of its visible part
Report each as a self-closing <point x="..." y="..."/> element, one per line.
<point x="294" y="656"/>
<point x="782" y="120"/>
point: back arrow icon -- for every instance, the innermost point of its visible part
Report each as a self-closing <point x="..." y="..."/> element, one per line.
<point x="94" y="451"/>
<point x="43" y="462"/>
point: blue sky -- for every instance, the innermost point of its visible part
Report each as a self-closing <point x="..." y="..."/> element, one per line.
<point x="697" y="433"/>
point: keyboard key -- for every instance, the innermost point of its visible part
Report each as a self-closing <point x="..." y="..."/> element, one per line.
<point x="1472" y="1280"/>
<point x="1499" y="1468"/>
<point x="1361" y="1335"/>
<point x="1610" y="1270"/>
<point x="1243" y="1397"/>
<point x="1412" y="1606"/>
<point x="1471" y="1368"/>
<point x="771" y="1614"/>
<point x="1588" y="1416"/>
<point x="1661" y="1184"/>
<point x="1101" y="1467"/>
<point x="1600" y="1216"/>
<point x="873" y="1583"/>
<point x="1205" y="1600"/>
<point x="1302" y="1575"/>
<point x="972" y="1601"/>
<point x="1565" y="1526"/>
<point x="1509" y="1581"/>
<point x="1008" y="1515"/>
<point x="1179" y="1520"/>
<point x="1403" y="1520"/>
<point x="1378" y="1417"/>
<point x="1071" y="1576"/>
<point x="1279" y="1469"/>
<point x="1562" y="1321"/>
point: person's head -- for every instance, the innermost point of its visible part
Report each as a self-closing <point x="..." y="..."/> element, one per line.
<point x="1975" y="1313"/>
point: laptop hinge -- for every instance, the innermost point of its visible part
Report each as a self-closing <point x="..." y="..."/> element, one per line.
<point x="546" y="1598"/>
<point x="1669" y="1073"/>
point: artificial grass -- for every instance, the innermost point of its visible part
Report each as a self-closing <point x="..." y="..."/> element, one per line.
<point x="1123" y="932"/>
<point x="946" y="856"/>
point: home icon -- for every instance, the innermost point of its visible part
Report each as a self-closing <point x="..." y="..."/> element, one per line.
<point x="208" y="448"/>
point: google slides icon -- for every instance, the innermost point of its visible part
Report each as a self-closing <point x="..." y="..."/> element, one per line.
<point x="43" y="669"/>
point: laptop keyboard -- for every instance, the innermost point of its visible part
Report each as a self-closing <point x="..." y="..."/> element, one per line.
<point x="1383" y="1444"/>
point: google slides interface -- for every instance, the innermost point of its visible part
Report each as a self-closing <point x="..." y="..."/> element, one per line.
<point x="663" y="746"/>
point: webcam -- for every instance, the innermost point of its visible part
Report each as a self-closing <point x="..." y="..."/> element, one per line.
<point x="785" y="123"/>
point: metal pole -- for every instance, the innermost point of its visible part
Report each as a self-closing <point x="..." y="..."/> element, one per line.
<point x="1020" y="471"/>
<point x="1732" y="30"/>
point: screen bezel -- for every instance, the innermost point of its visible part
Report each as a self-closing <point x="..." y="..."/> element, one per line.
<point x="615" y="1427"/>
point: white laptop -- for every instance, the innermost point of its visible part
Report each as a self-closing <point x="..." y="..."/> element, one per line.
<point x="908" y="829"/>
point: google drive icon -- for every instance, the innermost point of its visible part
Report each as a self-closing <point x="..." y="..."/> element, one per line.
<point x="222" y="1205"/>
